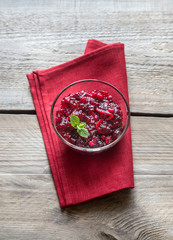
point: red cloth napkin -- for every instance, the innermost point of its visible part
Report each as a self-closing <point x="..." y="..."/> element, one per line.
<point x="77" y="177"/>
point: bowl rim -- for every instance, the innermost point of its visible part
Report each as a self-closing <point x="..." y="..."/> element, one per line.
<point x="98" y="149"/>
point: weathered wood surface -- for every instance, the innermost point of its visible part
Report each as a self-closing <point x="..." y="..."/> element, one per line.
<point x="94" y="5"/>
<point x="40" y="35"/>
<point x="22" y="150"/>
<point x="29" y="207"/>
<point x="29" y="210"/>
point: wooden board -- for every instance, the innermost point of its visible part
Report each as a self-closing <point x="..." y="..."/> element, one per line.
<point x="90" y="5"/>
<point x="22" y="149"/>
<point x="29" y="209"/>
<point x="38" y="36"/>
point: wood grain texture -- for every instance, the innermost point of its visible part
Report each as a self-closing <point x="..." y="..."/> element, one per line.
<point x="94" y="5"/>
<point x="22" y="149"/>
<point x="29" y="209"/>
<point x="43" y="35"/>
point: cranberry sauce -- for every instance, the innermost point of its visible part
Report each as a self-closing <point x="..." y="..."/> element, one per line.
<point x="102" y="116"/>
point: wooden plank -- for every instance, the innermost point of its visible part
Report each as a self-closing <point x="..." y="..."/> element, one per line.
<point x="90" y="5"/>
<point x="22" y="149"/>
<point x="29" y="209"/>
<point x="38" y="37"/>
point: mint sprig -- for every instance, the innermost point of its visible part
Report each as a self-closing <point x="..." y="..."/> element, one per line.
<point x="80" y="126"/>
<point x="74" y="120"/>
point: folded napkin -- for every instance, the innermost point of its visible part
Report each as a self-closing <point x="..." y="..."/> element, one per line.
<point x="77" y="177"/>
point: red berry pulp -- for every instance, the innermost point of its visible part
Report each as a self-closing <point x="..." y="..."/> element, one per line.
<point x="102" y="116"/>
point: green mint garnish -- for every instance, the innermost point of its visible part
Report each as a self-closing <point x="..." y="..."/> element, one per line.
<point x="80" y="126"/>
<point x="83" y="132"/>
<point x="74" y="120"/>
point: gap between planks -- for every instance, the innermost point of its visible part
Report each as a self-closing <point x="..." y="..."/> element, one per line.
<point x="50" y="174"/>
<point x="136" y="114"/>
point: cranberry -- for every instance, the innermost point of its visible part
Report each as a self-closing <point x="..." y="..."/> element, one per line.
<point x="99" y="96"/>
<point x="102" y="116"/>
<point x="104" y="92"/>
<point x="103" y="137"/>
<point x="91" y="143"/>
<point x="109" y="97"/>
<point x="108" y="140"/>
<point x="67" y="114"/>
<point x="94" y="93"/>
<point x="83" y="100"/>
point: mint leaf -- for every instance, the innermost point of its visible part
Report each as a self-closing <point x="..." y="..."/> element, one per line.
<point x="81" y="125"/>
<point x="74" y="120"/>
<point x="83" y="132"/>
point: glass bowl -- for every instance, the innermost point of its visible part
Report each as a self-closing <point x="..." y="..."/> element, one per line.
<point x="89" y="85"/>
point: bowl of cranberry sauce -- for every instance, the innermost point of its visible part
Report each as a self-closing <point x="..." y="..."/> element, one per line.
<point x="90" y="115"/>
